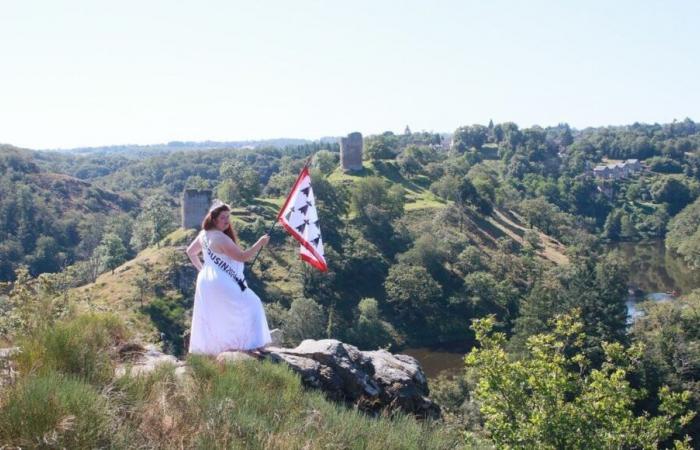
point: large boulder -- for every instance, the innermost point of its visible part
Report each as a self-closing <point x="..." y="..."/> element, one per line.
<point x="373" y="380"/>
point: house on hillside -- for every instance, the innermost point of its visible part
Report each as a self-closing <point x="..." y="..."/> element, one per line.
<point x="617" y="171"/>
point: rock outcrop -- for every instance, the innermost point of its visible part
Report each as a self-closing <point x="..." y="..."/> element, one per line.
<point x="373" y="381"/>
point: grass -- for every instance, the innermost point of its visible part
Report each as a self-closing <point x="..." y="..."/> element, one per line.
<point x="54" y="410"/>
<point x="80" y="347"/>
<point x="418" y="196"/>
<point x="262" y="405"/>
<point x="249" y="404"/>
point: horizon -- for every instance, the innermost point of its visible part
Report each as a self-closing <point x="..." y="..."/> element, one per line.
<point x="81" y="75"/>
<point x="319" y="139"/>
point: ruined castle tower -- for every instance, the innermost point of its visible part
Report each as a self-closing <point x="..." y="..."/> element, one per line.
<point x="351" y="152"/>
<point x="195" y="205"/>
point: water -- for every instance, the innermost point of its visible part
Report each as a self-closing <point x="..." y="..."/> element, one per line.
<point x="654" y="270"/>
<point x="436" y="362"/>
<point x="655" y="275"/>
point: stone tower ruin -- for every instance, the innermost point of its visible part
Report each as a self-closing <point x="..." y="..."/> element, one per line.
<point x="195" y="205"/>
<point x="351" y="152"/>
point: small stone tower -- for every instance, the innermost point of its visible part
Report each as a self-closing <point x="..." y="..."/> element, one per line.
<point x="195" y="205"/>
<point x="351" y="152"/>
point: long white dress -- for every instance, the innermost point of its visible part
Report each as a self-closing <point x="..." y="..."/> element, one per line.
<point x="225" y="316"/>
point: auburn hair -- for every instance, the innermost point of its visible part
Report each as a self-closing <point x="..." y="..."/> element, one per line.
<point x="209" y="222"/>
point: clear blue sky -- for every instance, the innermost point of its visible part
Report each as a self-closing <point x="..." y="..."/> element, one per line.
<point x="85" y="73"/>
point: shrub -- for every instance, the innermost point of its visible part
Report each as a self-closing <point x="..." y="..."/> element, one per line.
<point x="81" y="346"/>
<point x="54" y="410"/>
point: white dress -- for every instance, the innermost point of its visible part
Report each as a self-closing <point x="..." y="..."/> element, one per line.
<point x="227" y="314"/>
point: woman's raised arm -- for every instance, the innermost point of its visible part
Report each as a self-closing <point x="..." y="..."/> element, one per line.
<point x="230" y="248"/>
<point x="193" y="251"/>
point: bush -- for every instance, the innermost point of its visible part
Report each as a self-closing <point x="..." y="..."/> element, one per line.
<point x="54" y="410"/>
<point x="81" y="347"/>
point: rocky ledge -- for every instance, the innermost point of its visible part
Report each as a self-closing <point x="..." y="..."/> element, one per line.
<point x="373" y="381"/>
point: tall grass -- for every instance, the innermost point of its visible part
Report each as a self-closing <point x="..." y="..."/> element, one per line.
<point x="256" y="405"/>
<point x="83" y="346"/>
<point x="54" y="410"/>
<point x="67" y="398"/>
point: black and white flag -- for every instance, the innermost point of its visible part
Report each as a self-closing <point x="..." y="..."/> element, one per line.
<point x="299" y="218"/>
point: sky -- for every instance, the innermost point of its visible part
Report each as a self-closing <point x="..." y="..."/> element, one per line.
<point x="93" y="73"/>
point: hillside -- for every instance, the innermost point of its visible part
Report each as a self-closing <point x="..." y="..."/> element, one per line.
<point x="164" y="275"/>
<point x="45" y="216"/>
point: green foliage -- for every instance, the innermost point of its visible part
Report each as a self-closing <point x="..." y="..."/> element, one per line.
<point x="111" y="252"/>
<point x="670" y="333"/>
<point x="463" y="192"/>
<point x="305" y="319"/>
<point x="675" y="193"/>
<point x="370" y="331"/>
<point x="82" y="347"/>
<point x="33" y="304"/>
<point x="42" y="213"/>
<point x="664" y="165"/>
<point x="413" y="293"/>
<point x="54" y="410"/>
<point x="596" y="286"/>
<point x="154" y="222"/>
<point x="553" y="399"/>
<point x="382" y="146"/>
<point x="684" y="234"/>
<point x="371" y="200"/>
<point x="240" y="183"/>
<point x="325" y="161"/>
<point x="487" y="295"/>
<point x="469" y="137"/>
<point x="168" y="315"/>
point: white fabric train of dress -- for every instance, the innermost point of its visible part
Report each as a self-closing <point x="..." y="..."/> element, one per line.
<point x="224" y="317"/>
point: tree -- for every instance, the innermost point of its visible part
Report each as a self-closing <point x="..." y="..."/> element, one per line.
<point x="153" y="223"/>
<point x="468" y="137"/>
<point x="683" y="235"/>
<point x="325" y="161"/>
<point x="673" y="192"/>
<point x="240" y="183"/>
<point x="409" y="161"/>
<point x="670" y="333"/>
<point x="413" y="292"/>
<point x="111" y="252"/>
<point x="304" y="320"/>
<point x="375" y="205"/>
<point x="383" y="146"/>
<point x="487" y="295"/>
<point x="369" y="330"/>
<point x="46" y="257"/>
<point x="532" y="239"/>
<point x="552" y="399"/>
<point x="597" y="287"/>
<point x="613" y="225"/>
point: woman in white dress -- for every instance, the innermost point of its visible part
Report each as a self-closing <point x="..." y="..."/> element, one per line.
<point x="227" y="315"/>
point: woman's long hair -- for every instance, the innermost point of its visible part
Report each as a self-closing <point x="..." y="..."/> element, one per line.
<point x="209" y="222"/>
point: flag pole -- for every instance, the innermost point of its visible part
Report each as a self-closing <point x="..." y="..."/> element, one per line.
<point x="274" y="222"/>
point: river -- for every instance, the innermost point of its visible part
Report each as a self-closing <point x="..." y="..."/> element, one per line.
<point x="654" y="273"/>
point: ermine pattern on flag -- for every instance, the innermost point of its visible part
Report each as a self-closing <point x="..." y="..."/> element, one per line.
<point x="300" y="218"/>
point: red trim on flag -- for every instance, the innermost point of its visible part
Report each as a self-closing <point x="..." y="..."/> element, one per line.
<point x="317" y="264"/>
<point x="305" y="243"/>
<point x="304" y="171"/>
